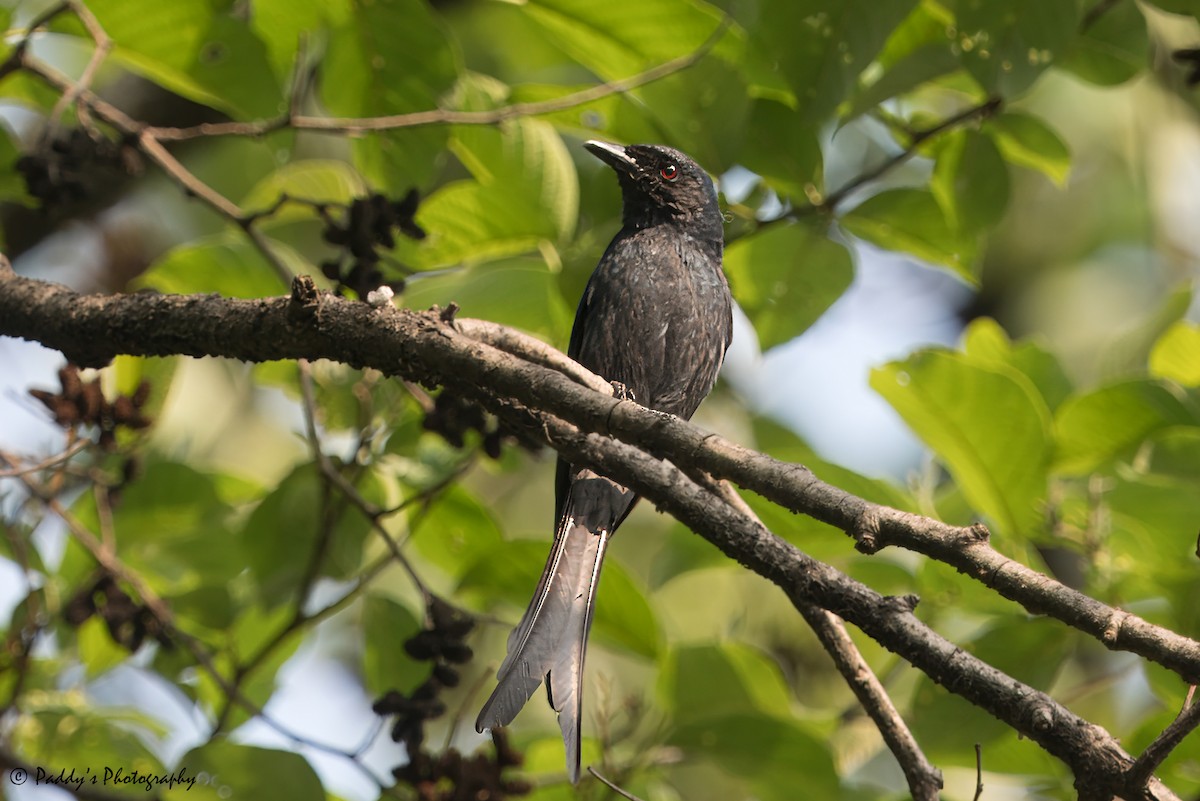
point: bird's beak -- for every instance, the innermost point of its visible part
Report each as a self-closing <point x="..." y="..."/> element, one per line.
<point x="612" y="155"/>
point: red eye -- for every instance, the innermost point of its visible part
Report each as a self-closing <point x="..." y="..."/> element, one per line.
<point x="669" y="172"/>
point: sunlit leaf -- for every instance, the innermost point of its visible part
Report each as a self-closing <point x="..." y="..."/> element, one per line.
<point x="1092" y="428"/>
<point x="911" y="220"/>
<point x="1028" y="141"/>
<point x="785" y="277"/>
<point x="990" y="427"/>
<point x="1006" y="46"/>
<point x="1176" y="355"/>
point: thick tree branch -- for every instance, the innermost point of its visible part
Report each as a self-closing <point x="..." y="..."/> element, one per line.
<point x="424" y="347"/>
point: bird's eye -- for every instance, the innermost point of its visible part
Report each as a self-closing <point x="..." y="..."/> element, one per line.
<point x="669" y="172"/>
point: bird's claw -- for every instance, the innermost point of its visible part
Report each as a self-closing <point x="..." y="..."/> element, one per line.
<point x="622" y="392"/>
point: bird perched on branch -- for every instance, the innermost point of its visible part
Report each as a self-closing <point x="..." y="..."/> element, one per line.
<point x="655" y="319"/>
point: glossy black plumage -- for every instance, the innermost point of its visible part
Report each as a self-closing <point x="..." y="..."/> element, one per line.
<point x="656" y="317"/>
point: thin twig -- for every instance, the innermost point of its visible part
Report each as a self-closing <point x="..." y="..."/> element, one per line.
<point x="102" y="45"/>
<point x="353" y="125"/>
<point x="50" y="461"/>
<point x="1144" y="766"/>
<point x="924" y="780"/>
<point x="978" y="772"/>
<point x="615" y="788"/>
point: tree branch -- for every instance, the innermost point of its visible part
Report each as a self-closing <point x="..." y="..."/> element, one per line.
<point x="423" y="347"/>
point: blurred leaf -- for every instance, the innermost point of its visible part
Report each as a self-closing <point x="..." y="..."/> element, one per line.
<point x="317" y="180"/>
<point x="989" y="426"/>
<point x="1176" y="452"/>
<point x="785" y="277"/>
<point x="1007" y="45"/>
<point x="623" y="618"/>
<point x="283" y="25"/>
<point x="1111" y="50"/>
<point x="192" y="48"/>
<point x="391" y="57"/>
<point x="911" y="220"/>
<point x="527" y="161"/>
<point x="704" y="111"/>
<point x="386" y="625"/>
<point x="1093" y="428"/>
<point x="1154" y="525"/>
<point x="786" y="152"/>
<point x="970" y="181"/>
<point x="777" y="755"/>
<point x="1176" y="355"/>
<point x="914" y="69"/>
<point x="1027" y="141"/>
<point x="1129" y="351"/>
<point x="97" y="649"/>
<point x="246" y="771"/>
<point x="986" y="343"/>
<point x="283" y="533"/>
<point x="820" y="48"/>
<point x="222" y="263"/>
<point x="521" y="292"/>
<point x="456" y="528"/>
<point x="750" y="682"/>
<point x="469" y="223"/>
<point x="619" y="38"/>
<point x="63" y="734"/>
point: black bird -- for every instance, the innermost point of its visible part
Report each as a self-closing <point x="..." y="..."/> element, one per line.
<point x="656" y="318"/>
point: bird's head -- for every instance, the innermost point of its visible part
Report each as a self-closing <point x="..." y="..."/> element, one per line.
<point x="661" y="184"/>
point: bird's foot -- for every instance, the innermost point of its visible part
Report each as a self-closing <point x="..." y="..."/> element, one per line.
<point x="622" y="392"/>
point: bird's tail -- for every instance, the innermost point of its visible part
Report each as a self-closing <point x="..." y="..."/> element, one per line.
<point x="550" y="642"/>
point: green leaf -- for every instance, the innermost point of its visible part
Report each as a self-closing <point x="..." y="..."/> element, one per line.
<point x="165" y="523"/>
<point x="1007" y="45"/>
<point x="1176" y="355"/>
<point x="989" y="426"/>
<point x="282" y="534"/>
<point x="391" y="57"/>
<point x="819" y="48"/>
<point x="785" y="277"/>
<point x="1129" y="351"/>
<point x="1094" y="428"/>
<point x="457" y="528"/>
<point x="97" y="649"/>
<point x="1112" y="50"/>
<point x="1028" y="141"/>
<point x="1153" y="527"/>
<point x="246" y="771"/>
<point x="777" y="756"/>
<point x="786" y="152"/>
<point x="623" y="617"/>
<point x="970" y="181"/>
<point x="284" y="24"/>
<point x="521" y="292"/>
<point x="317" y="180"/>
<point x="619" y="38"/>
<point x="222" y="263"/>
<point x="750" y="682"/>
<point x="986" y="344"/>
<point x="916" y="68"/>
<point x="911" y="220"/>
<point x="469" y="223"/>
<point x="194" y="49"/>
<point x="386" y="625"/>
<point x="528" y="162"/>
